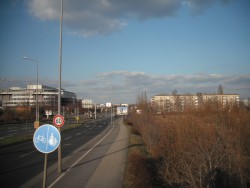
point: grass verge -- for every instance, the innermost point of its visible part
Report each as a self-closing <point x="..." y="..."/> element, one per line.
<point x="138" y="169"/>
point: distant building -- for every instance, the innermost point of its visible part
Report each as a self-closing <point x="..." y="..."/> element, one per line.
<point x="170" y="103"/>
<point x="47" y="96"/>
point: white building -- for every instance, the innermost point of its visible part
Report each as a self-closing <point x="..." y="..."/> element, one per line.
<point x="169" y="103"/>
<point x="47" y="96"/>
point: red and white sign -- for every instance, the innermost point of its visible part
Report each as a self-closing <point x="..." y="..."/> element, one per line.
<point x="58" y="120"/>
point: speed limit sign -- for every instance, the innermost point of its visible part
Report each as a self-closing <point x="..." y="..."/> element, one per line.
<point x="58" y="120"/>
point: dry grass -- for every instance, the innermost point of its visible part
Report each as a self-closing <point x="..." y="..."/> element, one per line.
<point x="140" y="166"/>
<point x="208" y="147"/>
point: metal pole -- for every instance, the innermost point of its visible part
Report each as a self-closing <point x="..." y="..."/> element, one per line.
<point x="111" y="114"/>
<point x="45" y="170"/>
<point x="95" y="111"/>
<point x="111" y="102"/>
<point x="59" y="90"/>
<point x="37" y="112"/>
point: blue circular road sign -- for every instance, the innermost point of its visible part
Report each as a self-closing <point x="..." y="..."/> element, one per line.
<point x="47" y="138"/>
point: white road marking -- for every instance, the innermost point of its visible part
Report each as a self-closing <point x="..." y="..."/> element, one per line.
<point x="27" y="154"/>
<point x="4" y="137"/>
<point x="67" y="138"/>
<point x="12" y="130"/>
<point x="78" y="134"/>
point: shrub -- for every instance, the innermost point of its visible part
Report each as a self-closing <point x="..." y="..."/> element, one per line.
<point x="139" y="175"/>
<point x="208" y="147"/>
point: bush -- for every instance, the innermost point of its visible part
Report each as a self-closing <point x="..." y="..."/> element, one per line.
<point x="208" y="147"/>
<point x="139" y="175"/>
<point x="9" y="115"/>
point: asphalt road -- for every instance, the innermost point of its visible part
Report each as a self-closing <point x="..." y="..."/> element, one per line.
<point x="22" y="162"/>
<point x="21" y="129"/>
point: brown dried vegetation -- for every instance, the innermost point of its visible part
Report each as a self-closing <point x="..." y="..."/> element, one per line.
<point x="206" y="147"/>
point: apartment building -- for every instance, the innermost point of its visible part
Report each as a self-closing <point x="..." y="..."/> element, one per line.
<point x="46" y="96"/>
<point x="170" y="103"/>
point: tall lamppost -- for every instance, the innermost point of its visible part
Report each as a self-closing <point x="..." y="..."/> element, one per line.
<point x="36" y="124"/>
<point x="111" y="103"/>
<point x="111" y="106"/>
<point x="1" y="80"/>
<point x="59" y="162"/>
<point x="1" y="89"/>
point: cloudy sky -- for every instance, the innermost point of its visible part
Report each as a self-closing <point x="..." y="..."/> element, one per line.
<point x="117" y="49"/>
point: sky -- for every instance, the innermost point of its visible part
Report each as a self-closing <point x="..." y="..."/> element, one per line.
<point x="115" y="50"/>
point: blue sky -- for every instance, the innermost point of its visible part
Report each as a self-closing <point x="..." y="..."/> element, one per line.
<point x="115" y="50"/>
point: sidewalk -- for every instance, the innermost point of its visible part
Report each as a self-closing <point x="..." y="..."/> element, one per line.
<point x="109" y="172"/>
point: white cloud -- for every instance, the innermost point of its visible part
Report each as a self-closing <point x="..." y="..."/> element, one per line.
<point x="100" y="17"/>
<point x="198" y="6"/>
<point x="124" y="86"/>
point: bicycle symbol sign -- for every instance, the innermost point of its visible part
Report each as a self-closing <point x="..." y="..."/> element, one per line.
<point x="47" y="138"/>
<point x="58" y="120"/>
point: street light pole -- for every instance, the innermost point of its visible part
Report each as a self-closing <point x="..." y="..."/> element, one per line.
<point x="59" y="89"/>
<point x="111" y="106"/>
<point x="1" y="89"/>
<point x="111" y="102"/>
<point x="36" y="124"/>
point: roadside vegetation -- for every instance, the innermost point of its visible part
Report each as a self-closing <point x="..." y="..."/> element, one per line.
<point x="205" y="147"/>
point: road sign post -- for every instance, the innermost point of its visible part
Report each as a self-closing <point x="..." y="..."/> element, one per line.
<point x="58" y="121"/>
<point x="45" y="169"/>
<point x="46" y="139"/>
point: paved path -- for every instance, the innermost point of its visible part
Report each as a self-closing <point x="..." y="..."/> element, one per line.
<point x="109" y="172"/>
<point x="99" y="163"/>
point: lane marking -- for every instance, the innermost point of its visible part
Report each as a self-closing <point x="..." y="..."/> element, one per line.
<point x="12" y="130"/>
<point x="27" y="153"/>
<point x="78" y="134"/>
<point x="5" y="137"/>
<point x="67" y="138"/>
<point x="73" y="165"/>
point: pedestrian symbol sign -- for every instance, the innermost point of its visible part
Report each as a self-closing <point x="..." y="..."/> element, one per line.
<point x="46" y="138"/>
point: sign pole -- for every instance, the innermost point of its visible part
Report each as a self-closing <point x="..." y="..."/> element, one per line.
<point x="45" y="170"/>
<point x="58" y="121"/>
